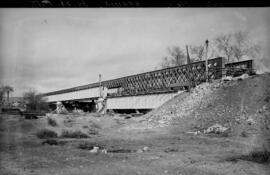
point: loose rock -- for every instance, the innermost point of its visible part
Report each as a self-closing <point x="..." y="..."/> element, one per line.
<point x="94" y="150"/>
<point x="217" y="129"/>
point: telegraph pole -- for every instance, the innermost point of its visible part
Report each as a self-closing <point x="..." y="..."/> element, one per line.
<point x="206" y="59"/>
<point x="190" y="82"/>
<point x="188" y="57"/>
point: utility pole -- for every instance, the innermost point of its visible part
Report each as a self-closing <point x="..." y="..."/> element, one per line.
<point x="206" y="59"/>
<point x="190" y="82"/>
<point x="188" y="57"/>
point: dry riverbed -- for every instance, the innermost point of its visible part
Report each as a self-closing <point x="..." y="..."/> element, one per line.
<point x="164" y="150"/>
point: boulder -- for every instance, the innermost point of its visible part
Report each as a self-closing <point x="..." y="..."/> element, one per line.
<point x="104" y="151"/>
<point x="227" y="78"/>
<point x="146" y="148"/>
<point x="242" y="77"/>
<point x="94" y="150"/>
<point x="251" y="121"/>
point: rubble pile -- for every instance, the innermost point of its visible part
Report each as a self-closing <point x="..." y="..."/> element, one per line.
<point x="183" y="105"/>
<point x="237" y="104"/>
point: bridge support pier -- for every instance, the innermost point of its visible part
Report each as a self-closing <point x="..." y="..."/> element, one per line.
<point x="139" y="102"/>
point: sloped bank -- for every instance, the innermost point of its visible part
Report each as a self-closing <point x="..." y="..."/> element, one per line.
<point x="241" y="105"/>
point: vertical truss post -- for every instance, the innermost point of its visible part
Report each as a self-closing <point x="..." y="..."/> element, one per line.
<point x="99" y="79"/>
<point x="206" y="60"/>
<point x="223" y="70"/>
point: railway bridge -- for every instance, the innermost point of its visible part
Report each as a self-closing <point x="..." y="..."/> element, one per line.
<point x="146" y="90"/>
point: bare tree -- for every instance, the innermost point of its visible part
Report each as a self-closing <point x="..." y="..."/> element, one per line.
<point x="176" y="57"/>
<point x="196" y="53"/>
<point x="35" y="101"/>
<point x="2" y="95"/>
<point x="233" y="46"/>
<point x="6" y="90"/>
<point x="244" y="46"/>
<point x="224" y="45"/>
<point x="165" y="62"/>
<point x="236" y="46"/>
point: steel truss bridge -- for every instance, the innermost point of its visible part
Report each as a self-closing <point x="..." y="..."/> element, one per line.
<point x="156" y="86"/>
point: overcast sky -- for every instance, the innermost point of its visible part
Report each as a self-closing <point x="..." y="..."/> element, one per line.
<point x="52" y="49"/>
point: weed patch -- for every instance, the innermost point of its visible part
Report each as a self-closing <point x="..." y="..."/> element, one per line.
<point x="92" y="131"/>
<point x="46" y="133"/>
<point x="95" y="125"/>
<point x="73" y="134"/>
<point x="50" y="142"/>
<point x="244" y="134"/>
<point x="121" y="151"/>
<point x="52" y="122"/>
<point x="90" y="145"/>
<point x="167" y="150"/>
<point x="255" y="156"/>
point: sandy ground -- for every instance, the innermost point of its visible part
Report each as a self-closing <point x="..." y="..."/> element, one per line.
<point x="169" y="150"/>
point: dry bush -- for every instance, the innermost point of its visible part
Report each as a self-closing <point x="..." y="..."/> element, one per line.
<point x="46" y="133"/>
<point x="35" y="102"/>
<point x="262" y="156"/>
<point x="52" y="122"/>
<point x="244" y="134"/>
<point x="73" y="134"/>
<point x="90" y="145"/>
<point x="95" y="125"/>
<point x="92" y="131"/>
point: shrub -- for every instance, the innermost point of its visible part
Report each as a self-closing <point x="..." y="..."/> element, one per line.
<point x="35" y="101"/>
<point x="92" y="131"/>
<point x="95" y="125"/>
<point x="90" y="145"/>
<point x="167" y="150"/>
<point x="259" y="156"/>
<point x="50" y="142"/>
<point x="73" y="134"/>
<point x="244" y="134"/>
<point x="52" y="122"/>
<point x="46" y="133"/>
<point x="262" y="156"/>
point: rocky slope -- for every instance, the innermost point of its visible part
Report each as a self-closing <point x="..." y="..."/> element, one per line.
<point x="242" y="105"/>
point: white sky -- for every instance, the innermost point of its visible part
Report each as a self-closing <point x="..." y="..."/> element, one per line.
<point x="52" y="49"/>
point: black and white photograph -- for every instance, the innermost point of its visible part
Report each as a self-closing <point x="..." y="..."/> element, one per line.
<point x="134" y="90"/>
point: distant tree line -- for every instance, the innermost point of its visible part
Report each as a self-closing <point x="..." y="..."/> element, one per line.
<point x="5" y="92"/>
<point x="233" y="46"/>
<point x="34" y="101"/>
